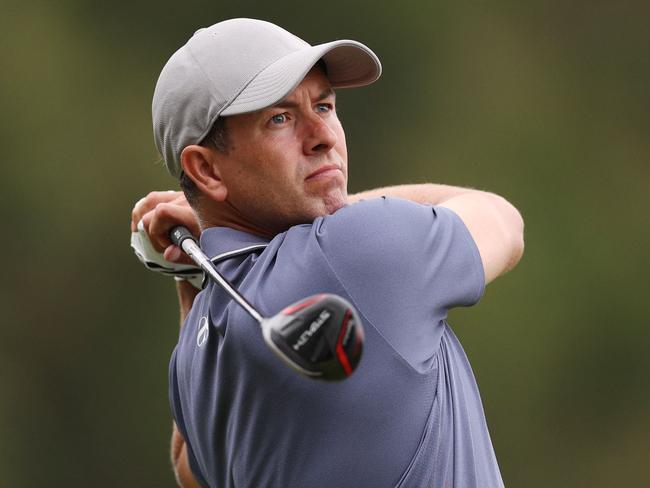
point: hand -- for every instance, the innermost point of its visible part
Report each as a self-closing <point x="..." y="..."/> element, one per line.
<point x="151" y="220"/>
<point x="159" y="211"/>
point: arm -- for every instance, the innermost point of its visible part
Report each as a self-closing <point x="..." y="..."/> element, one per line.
<point x="184" y="476"/>
<point x="426" y="193"/>
<point x="495" y="225"/>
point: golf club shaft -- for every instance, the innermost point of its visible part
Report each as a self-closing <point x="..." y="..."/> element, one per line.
<point x="183" y="238"/>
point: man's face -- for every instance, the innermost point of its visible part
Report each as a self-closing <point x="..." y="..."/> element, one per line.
<point x="287" y="164"/>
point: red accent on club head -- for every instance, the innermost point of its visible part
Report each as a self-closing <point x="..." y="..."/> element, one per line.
<point x="343" y="359"/>
<point x="299" y="306"/>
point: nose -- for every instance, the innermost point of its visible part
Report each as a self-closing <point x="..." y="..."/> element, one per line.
<point x="319" y="137"/>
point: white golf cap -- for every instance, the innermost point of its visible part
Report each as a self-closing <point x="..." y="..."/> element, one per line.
<point x="239" y="66"/>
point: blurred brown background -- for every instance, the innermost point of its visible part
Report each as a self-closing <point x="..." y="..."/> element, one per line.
<point x="543" y="102"/>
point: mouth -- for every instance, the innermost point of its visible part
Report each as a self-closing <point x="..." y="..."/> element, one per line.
<point x="324" y="172"/>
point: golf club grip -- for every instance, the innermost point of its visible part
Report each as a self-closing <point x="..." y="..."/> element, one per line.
<point x="178" y="234"/>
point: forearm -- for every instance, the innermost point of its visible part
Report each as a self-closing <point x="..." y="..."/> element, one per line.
<point x="184" y="476"/>
<point x="427" y="193"/>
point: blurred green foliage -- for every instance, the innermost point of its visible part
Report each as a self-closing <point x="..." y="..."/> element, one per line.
<point x="543" y="102"/>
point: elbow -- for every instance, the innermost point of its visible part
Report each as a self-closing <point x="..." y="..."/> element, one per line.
<point x="517" y="246"/>
<point x="516" y="233"/>
<point x="512" y="227"/>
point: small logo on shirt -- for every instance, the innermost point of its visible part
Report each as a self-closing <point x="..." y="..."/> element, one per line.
<point x="204" y="332"/>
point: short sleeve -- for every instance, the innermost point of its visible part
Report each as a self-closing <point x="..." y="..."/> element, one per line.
<point x="401" y="259"/>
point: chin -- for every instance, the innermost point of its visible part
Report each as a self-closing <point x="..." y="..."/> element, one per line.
<point x="319" y="207"/>
<point x="331" y="205"/>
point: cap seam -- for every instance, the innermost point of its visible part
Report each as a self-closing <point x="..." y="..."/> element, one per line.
<point x="205" y="75"/>
<point x="252" y="77"/>
<point x="214" y="85"/>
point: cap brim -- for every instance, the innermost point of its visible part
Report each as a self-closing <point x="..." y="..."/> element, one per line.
<point x="349" y="64"/>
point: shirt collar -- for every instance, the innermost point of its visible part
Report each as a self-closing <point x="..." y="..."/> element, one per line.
<point x="223" y="242"/>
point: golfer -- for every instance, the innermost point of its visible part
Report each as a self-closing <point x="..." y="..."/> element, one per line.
<point x="245" y="118"/>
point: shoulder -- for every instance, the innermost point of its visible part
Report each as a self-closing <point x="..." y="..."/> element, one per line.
<point x="386" y="244"/>
<point x="385" y="224"/>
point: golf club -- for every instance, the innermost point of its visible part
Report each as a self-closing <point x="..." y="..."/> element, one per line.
<point x="320" y="336"/>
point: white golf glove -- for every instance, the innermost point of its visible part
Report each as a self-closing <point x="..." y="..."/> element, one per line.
<point x="155" y="261"/>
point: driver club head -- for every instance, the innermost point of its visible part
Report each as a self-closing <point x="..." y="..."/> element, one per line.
<point x="320" y="337"/>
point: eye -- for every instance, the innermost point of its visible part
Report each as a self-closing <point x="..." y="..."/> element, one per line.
<point x="279" y="119"/>
<point x="324" y="107"/>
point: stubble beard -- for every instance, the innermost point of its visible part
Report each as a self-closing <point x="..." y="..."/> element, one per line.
<point x="332" y="203"/>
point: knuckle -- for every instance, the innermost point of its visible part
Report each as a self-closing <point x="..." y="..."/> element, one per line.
<point x="136" y="213"/>
<point x="163" y="209"/>
<point x="153" y="197"/>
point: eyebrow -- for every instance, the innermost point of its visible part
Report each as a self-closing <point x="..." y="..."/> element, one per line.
<point x="328" y="92"/>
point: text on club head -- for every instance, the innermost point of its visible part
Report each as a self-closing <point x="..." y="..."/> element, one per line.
<point x="313" y="328"/>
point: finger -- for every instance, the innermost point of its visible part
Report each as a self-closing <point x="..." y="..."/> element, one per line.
<point x="186" y="213"/>
<point x="160" y="220"/>
<point x="149" y="202"/>
<point x="176" y="255"/>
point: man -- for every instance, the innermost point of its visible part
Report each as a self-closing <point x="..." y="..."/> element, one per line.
<point x="245" y="116"/>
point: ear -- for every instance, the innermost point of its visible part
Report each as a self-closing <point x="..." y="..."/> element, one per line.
<point x="200" y="164"/>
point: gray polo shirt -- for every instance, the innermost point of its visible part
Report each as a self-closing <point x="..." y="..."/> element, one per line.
<point x="410" y="416"/>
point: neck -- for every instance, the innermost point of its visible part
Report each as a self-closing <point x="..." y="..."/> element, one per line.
<point x="224" y="214"/>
